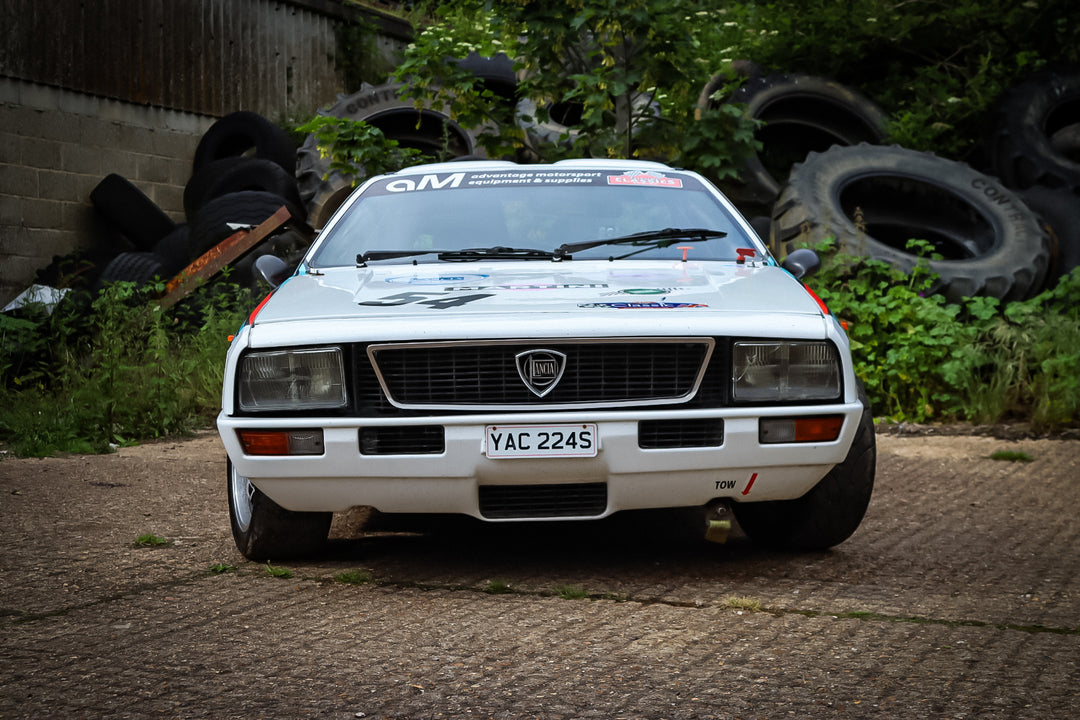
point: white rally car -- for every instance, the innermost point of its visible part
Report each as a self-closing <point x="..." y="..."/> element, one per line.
<point x="543" y="342"/>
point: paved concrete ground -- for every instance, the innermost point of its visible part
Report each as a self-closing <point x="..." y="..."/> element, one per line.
<point x="959" y="597"/>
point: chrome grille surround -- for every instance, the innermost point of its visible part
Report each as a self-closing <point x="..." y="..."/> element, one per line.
<point x="471" y="375"/>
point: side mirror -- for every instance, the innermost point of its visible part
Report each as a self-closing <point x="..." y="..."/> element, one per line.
<point x="272" y="269"/>
<point x="802" y="263"/>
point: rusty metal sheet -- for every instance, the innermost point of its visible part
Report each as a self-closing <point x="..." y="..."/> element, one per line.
<point x="213" y="260"/>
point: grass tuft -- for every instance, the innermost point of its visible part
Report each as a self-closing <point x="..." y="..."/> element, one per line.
<point x="571" y="592"/>
<point x="221" y="568"/>
<point x="1011" y="456"/>
<point x="151" y="540"/>
<point x="354" y="577"/>
<point x="278" y="572"/>
<point x="497" y="587"/>
<point x="743" y="603"/>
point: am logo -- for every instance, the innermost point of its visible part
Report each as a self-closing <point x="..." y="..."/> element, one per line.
<point x="426" y="182"/>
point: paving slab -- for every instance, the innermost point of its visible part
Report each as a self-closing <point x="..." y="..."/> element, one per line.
<point x="958" y="597"/>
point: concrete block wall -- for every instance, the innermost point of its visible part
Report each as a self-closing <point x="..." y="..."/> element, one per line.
<point x="55" y="147"/>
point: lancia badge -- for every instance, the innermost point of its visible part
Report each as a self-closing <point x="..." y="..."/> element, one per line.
<point x="540" y="370"/>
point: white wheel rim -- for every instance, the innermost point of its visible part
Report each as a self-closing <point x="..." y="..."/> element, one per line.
<point x="240" y="493"/>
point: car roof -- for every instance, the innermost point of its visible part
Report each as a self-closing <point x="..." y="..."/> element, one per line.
<point x="575" y="164"/>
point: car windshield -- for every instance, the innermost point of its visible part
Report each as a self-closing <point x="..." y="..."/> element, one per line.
<point x="509" y="214"/>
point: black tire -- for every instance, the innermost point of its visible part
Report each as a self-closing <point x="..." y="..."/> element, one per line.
<point x="247" y="207"/>
<point x="137" y="267"/>
<point x="264" y="531"/>
<point x="174" y="251"/>
<point x="496" y="72"/>
<point x="830" y="512"/>
<point x="1035" y="126"/>
<point x="802" y="114"/>
<point x="130" y="211"/>
<point x="322" y="191"/>
<point x="873" y="199"/>
<point x="1059" y="211"/>
<point x="245" y="133"/>
<point x="230" y="175"/>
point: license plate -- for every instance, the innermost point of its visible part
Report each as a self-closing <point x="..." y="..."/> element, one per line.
<point x="532" y="441"/>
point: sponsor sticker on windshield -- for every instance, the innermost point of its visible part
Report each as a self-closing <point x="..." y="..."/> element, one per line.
<point x="643" y="177"/>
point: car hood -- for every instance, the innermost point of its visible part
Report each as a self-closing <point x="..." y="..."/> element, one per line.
<point x="573" y="295"/>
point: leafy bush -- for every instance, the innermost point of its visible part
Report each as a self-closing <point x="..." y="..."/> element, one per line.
<point x="631" y="70"/>
<point x="935" y="66"/>
<point x="358" y="149"/>
<point x="924" y="359"/>
<point x="114" y="370"/>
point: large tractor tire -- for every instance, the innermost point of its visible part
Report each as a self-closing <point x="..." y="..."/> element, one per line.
<point x="428" y="130"/>
<point x="873" y="199"/>
<point x="801" y="114"/>
<point x="1036" y="133"/>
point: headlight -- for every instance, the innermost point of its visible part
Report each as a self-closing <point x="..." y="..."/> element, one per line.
<point x="292" y="380"/>
<point x="785" y="371"/>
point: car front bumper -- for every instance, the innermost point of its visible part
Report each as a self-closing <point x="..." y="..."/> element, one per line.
<point x="741" y="468"/>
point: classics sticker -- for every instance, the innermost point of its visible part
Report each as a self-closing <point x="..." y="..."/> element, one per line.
<point x="643" y="177"/>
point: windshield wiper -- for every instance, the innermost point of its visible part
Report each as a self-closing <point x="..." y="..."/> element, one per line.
<point x="499" y="252"/>
<point x="470" y="254"/>
<point x="650" y="238"/>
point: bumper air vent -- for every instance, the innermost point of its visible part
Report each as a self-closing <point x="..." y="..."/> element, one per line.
<point x="659" y="434"/>
<point x="543" y="501"/>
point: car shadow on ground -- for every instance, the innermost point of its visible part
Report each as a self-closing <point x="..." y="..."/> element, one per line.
<point x="625" y="546"/>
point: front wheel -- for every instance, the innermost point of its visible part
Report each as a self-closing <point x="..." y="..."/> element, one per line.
<point x="263" y="530"/>
<point x="830" y="512"/>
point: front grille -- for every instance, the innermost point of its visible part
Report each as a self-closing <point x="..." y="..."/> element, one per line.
<point x="543" y="501"/>
<point x="659" y="434"/>
<point x="404" y="440"/>
<point x="471" y="376"/>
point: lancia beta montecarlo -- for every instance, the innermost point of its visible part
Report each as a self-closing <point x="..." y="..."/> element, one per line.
<point x="543" y="342"/>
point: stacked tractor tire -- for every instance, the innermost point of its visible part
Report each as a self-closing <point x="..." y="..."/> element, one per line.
<point x="1008" y="228"/>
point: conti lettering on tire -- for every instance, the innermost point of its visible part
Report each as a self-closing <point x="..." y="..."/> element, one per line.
<point x="802" y="114"/>
<point x="873" y="199"/>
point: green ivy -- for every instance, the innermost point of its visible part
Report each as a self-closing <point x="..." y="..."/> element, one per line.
<point x="924" y="359"/>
